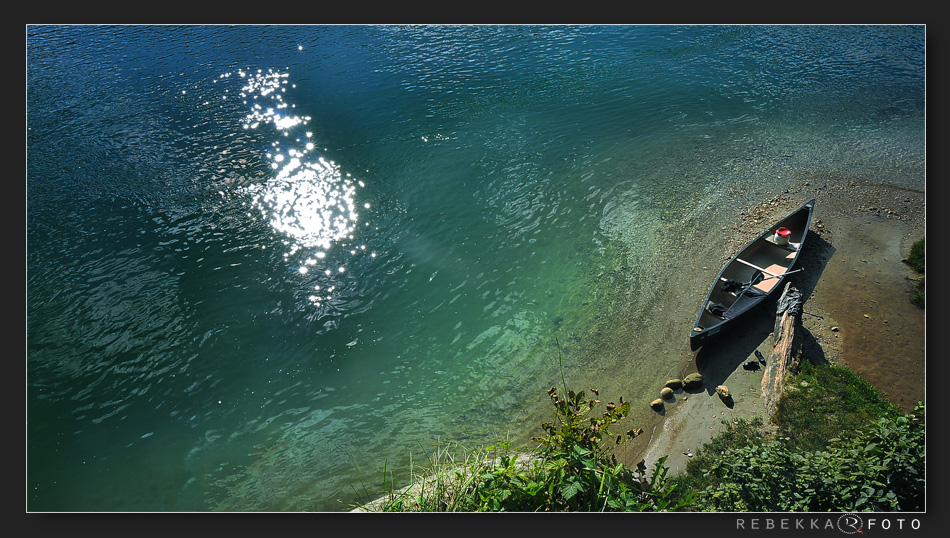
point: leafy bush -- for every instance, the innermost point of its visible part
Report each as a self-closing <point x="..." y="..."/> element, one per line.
<point x="917" y="254"/>
<point x="916" y="260"/>
<point x="580" y="471"/>
<point x="880" y="468"/>
<point x="917" y="297"/>
<point x="737" y="434"/>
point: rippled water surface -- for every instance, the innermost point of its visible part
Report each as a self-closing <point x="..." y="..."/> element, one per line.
<point x="267" y="263"/>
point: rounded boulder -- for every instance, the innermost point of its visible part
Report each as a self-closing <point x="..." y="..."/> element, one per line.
<point x="693" y="381"/>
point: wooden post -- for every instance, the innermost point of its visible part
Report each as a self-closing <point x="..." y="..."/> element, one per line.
<point x="786" y="350"/>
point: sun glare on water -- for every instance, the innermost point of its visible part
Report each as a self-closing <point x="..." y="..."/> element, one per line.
<point x="309" y="199"/>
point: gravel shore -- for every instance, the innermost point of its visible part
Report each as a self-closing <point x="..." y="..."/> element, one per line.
<point x="858" y="313"/>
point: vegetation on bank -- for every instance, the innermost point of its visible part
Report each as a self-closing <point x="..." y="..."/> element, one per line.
<point x="573" y="468"/>
<point x="837" y="444"/>
<point x="916" y="259"/>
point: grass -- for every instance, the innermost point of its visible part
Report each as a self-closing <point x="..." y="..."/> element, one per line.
<point x="454" y="479"/>
<point x="823" y="401"/>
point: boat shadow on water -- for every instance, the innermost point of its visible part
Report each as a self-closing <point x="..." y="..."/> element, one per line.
<point x="719" y="358"/>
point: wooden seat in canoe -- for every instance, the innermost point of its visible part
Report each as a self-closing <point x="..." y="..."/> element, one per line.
<point x="768" y="281"/>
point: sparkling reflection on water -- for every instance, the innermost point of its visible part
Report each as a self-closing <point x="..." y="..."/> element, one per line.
<point x="309" y="200"/>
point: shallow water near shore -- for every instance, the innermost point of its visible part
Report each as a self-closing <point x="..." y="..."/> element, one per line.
<point x="268" y="266"/>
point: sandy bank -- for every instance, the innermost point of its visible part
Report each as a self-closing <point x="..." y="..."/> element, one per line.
<point x="854" y="281"/>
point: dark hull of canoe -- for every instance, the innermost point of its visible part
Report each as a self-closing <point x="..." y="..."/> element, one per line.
<point x="750" y="277"/>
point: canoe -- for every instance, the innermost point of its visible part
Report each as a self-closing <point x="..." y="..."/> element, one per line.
<point x="752" y="275"/>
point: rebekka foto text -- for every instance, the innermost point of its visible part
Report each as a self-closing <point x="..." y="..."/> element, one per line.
<point x="846" y="523"/>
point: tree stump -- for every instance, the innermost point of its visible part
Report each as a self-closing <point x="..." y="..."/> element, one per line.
<point x="786" y="350"/>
